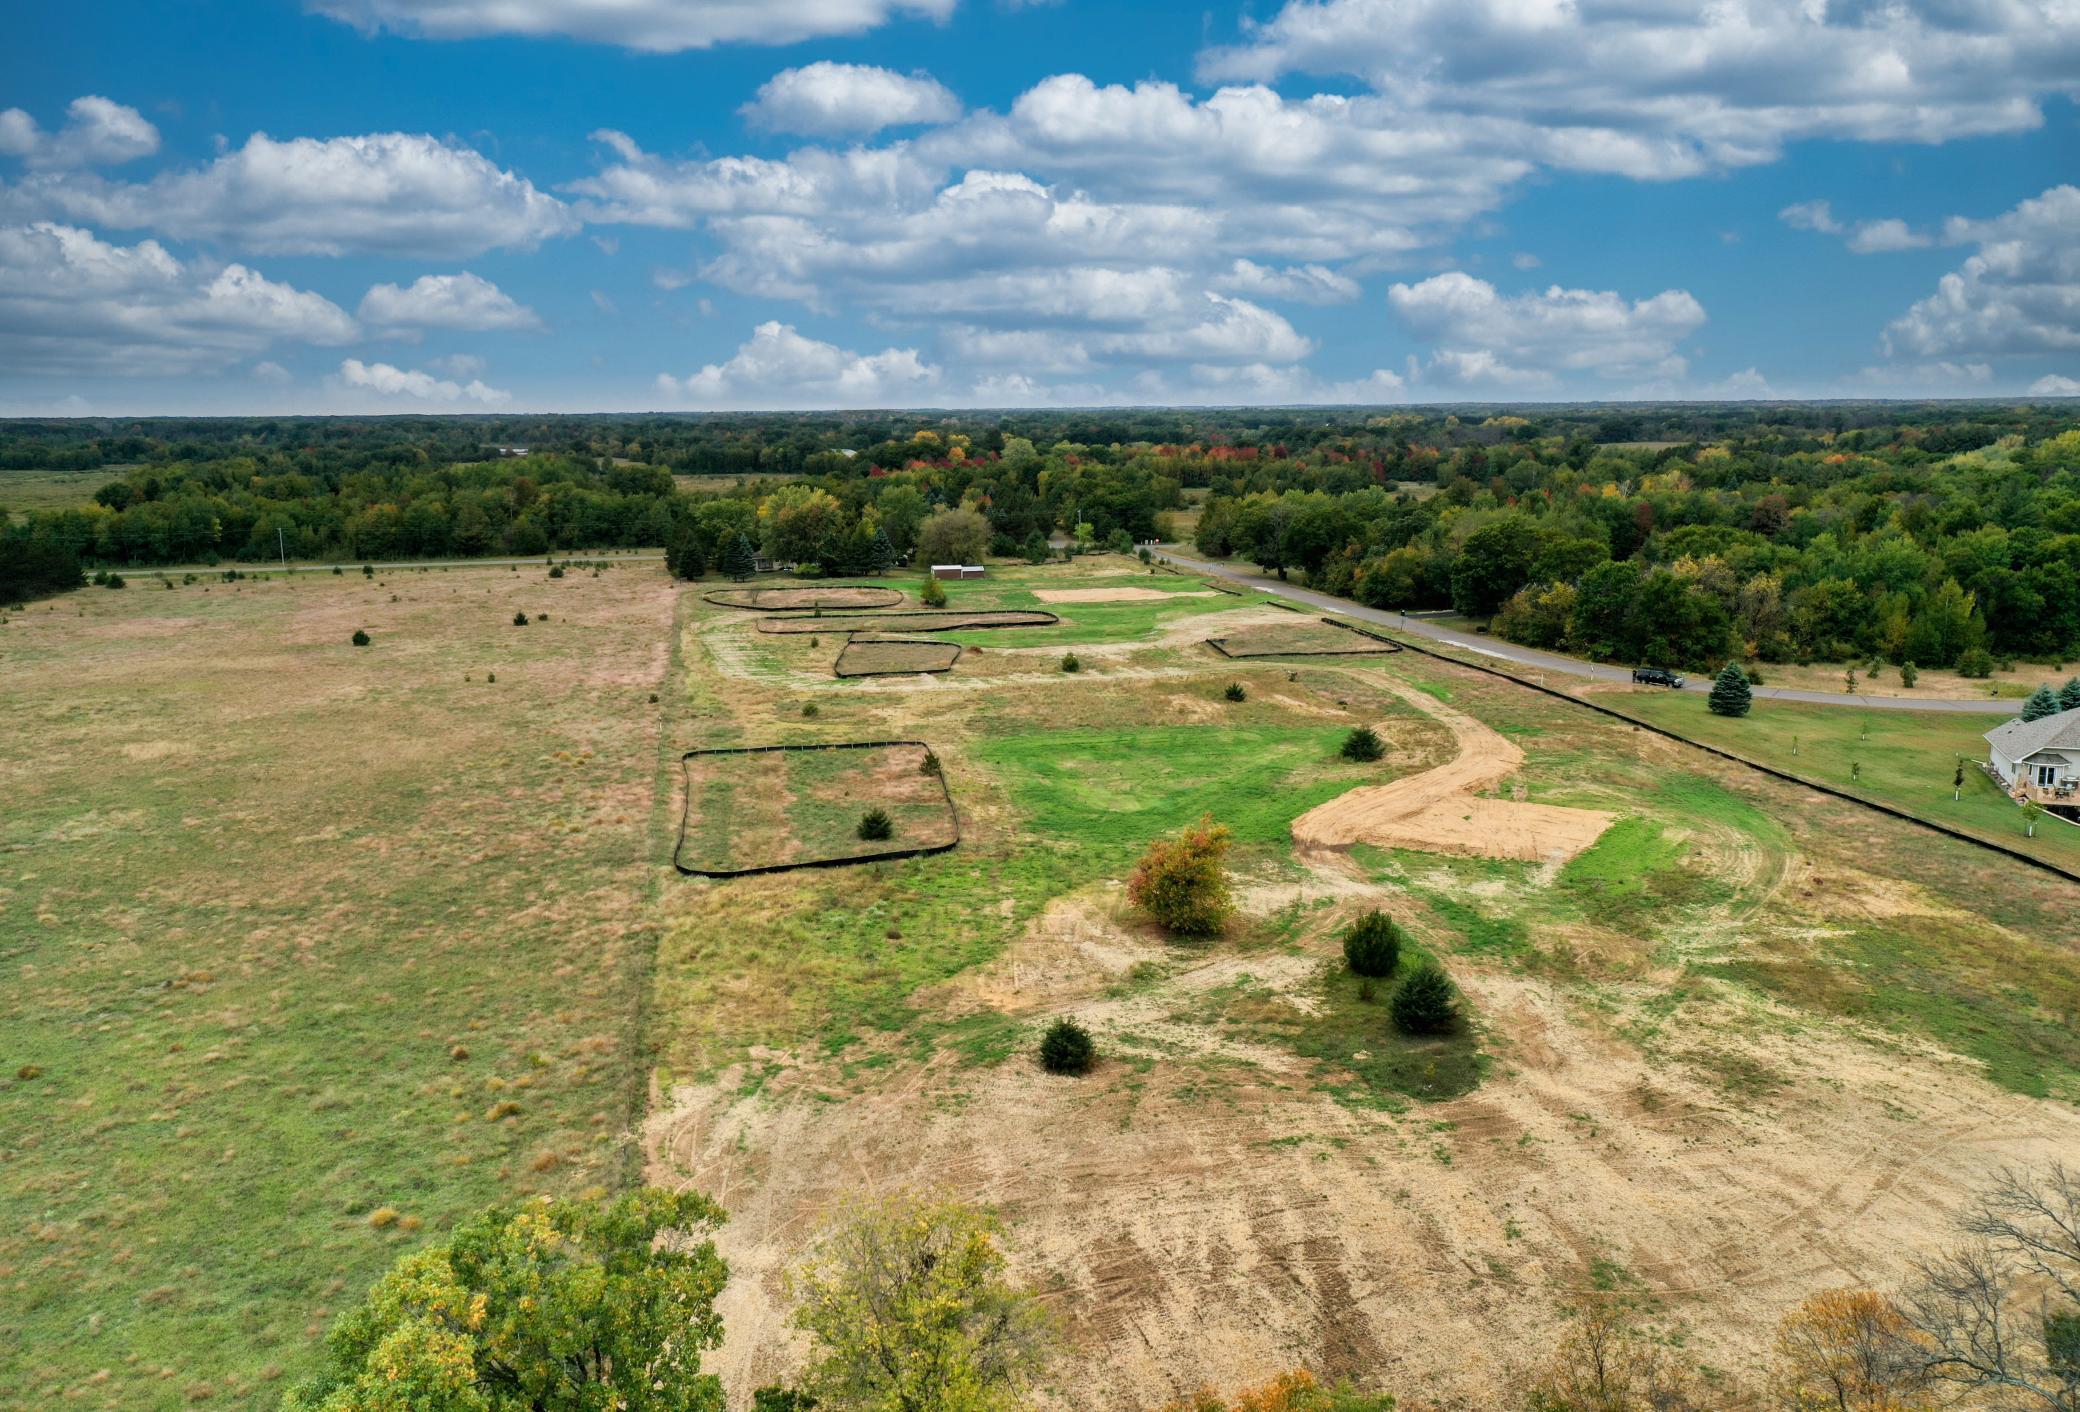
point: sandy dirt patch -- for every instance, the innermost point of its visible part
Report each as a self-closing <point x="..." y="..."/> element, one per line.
<point x="1439" y="810"/>
<point x="1201" y="1215"/>
<point x="1115" y="595"/>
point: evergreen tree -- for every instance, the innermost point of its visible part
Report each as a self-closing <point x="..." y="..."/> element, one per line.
<point x="881" y="555"/>
<point x="2042" y="702"/>
<point x="1730" y="694"/>
<point x="739" y="560"/>
<point x="2069" y="694"/>
<point x="1426" y="1003"/>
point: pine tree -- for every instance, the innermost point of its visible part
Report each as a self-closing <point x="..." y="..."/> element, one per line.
<point x="1730" y="694"/>
<point x="2069" y="694"/>
<point x="740" y="561"/>
<point x="881" y="555"/>
<point x="2042" y="702"/>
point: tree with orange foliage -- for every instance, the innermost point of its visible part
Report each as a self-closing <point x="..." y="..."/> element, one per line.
<point x="1182" y="882"/>
<point x="1296" y="1391"/>
<point x="1849" y="1350"/>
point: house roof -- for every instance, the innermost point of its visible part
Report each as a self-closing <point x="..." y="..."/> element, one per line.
<point x="2019" y="739"/>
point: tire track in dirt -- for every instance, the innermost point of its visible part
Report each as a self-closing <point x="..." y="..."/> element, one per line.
<point x="1439" y="809"/>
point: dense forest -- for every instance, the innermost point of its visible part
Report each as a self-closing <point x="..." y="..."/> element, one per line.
<point x="1942" y="534"/>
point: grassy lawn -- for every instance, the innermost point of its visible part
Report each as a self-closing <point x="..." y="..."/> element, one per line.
<point x="1908" y="759"/>
<point x="293" y="933"/>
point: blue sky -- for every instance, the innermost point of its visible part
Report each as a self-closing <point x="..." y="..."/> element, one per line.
<point x="567" y="205"/>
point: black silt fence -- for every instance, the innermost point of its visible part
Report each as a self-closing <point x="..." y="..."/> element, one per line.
<point x="887" y="855"/>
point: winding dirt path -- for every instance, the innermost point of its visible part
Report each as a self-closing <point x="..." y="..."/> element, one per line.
<point x="1440" y="809"/>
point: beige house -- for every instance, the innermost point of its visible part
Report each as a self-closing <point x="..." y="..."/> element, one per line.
<point x="2039" y="759"/>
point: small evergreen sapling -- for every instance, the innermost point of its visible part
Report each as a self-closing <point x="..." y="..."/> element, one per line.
<point x="1427" y="1002"/>
<point x="875" y="824"/>
<point x="1372" y="945"/>
<point x="1235" y="691"/>
<point x="1363" y="743"/>
<point x="1067" y="1048"/>
<point x="360" y="638"/>
<point x="1730" y="694"/>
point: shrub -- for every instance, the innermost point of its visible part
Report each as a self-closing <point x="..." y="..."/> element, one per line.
<point x="1908" y="674"/>
<point x="810" y="711"/>
<point x="1182" y="883"/>
<point x="875" y="824"/>
<point x="1363" y="743"/>
<point x="519" y="620"/>
<point x="360" y="638"/>
<point x="1730" y="695"/>
<point x="1427" y="1002"/>
<point x="1067" y="1048"/>
<point x="114" y="580"/>
<point x="929" y="765"/>
<point x="368" y="571"/>
<point x="1372" y="945"/>
<point x="491" y="676"/>
<point x="934" y="594"/>
<point x="1975" y="662"/>
<point x="556" y="571"/>
<point x="336" y="570"/>
<point x="1071" y="662"/>
<point x="1235" y="691"/>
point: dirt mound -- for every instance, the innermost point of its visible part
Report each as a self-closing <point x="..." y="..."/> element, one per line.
<point x="1116" y="595"/>
<point x="780" y="599"/>
<point x="1437" y="810"/>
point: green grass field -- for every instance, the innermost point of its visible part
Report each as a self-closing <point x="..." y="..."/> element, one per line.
<point x="294" y="932"/>
<point x="22" y="491"/>
<point x="1908" y="759"/>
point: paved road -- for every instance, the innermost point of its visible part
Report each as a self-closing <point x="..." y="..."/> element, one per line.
<point x="1552" y="661"/>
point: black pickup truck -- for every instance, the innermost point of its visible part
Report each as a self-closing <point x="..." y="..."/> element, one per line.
<point x="1656" y="676"/>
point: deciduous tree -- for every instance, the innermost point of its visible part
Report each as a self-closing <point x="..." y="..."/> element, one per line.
<point x="908" y="1309"/>
<point x="540" y="1306"/>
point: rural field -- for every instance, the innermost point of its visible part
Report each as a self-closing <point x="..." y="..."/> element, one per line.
<point x="312" y="948"/>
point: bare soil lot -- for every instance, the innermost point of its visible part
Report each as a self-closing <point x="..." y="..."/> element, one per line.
<point x="877" y="657"/>
<point x="777" y="599"/>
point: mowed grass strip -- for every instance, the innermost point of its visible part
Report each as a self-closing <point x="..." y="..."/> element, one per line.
<point x="1116" y="789"/>
<point x="292" y="932"/>
<point x="1907" y="759"/>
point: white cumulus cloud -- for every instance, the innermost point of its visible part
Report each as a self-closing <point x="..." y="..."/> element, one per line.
<point x="2055" y="385"/>
<point x="70" y="301"/>
<point x="389" y="193"/>
<point x="827" y="99"/>
<point x="1707" y="86"/>
<point x="97" y="132"/>
<point x="778" y="367"/>
<point x="656" y="26"/>
<point x="1484" y="336"/>
<point x="2018" y="294"/>
<point x="459" y="301"/>
<point x="1304" y="284"/>
<point x="412" y="384"/>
